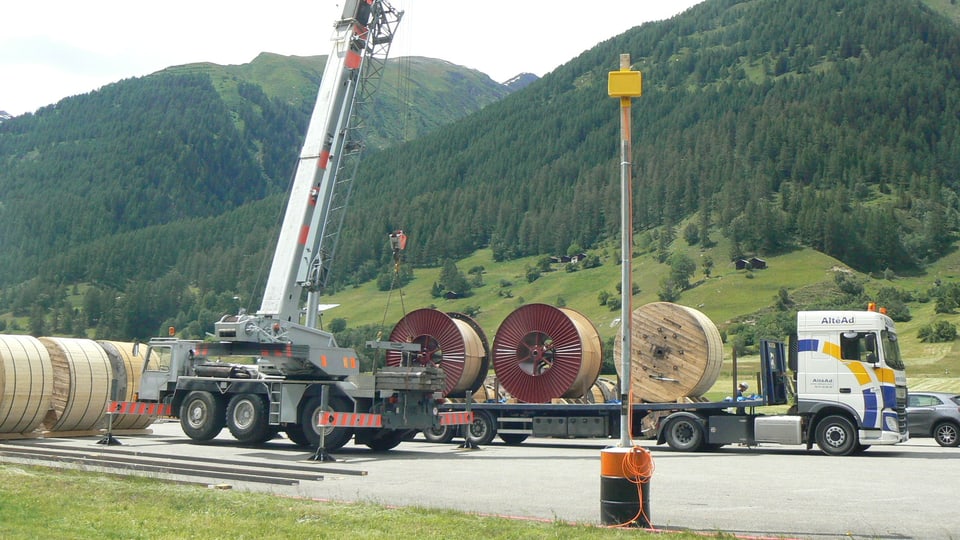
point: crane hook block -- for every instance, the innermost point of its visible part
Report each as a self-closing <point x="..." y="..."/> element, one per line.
<point x="398" y="241"/>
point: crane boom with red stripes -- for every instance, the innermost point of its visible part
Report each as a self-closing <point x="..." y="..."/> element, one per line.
<point x="319" y="194"/>
<point x="321" y="183"/>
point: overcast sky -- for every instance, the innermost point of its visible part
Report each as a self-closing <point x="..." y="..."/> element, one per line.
<point x="51" y="49"/>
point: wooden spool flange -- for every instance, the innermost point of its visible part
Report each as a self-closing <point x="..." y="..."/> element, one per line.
<point x="676" y="352"/>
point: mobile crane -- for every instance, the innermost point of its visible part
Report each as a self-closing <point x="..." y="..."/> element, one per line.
<point x="303" y="383"/>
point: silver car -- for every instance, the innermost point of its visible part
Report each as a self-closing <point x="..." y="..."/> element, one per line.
<point x="935" y="414"/>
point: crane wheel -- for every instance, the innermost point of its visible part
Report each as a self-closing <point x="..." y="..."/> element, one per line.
<point x="202" y="415"/>
<point x="296" y="435"/>
<point x="335" y="437"/>
<point x="248" y="419"/>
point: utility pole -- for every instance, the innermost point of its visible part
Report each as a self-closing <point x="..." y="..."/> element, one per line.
<point x="625" y="84"/>
<point x="625" y="470"/>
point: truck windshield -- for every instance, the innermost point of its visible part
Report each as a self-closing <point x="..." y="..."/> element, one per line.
<point x="891" y="350"/>
<point x="158" y="359"/>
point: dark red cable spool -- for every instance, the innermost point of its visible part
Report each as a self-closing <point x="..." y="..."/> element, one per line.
<point x="453" y="342"/>
<point x="484" y="367"/>
<point x="541" y="352"/>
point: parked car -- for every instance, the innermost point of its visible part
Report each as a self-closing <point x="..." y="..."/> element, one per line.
<point x="935" y="414"/>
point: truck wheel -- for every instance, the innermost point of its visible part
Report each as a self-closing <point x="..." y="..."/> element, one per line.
<point x="202" y="415"/>
<point x="513" y="439"/>
<point x="945" y="433"/>
<point x="295" y="434"/>
<point x="442" y="434"/>
<point x="387" y="440"/>
<point x="247" y="419"/>
<point x="334" y="437"/>
<point x="684" y="434"/>
<point x="482" y="430"/>
<point x="836" y="436"/>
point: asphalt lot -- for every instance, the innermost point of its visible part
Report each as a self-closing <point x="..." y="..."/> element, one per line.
<point x="906" y="491"/>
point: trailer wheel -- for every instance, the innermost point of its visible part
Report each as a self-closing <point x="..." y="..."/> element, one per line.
<point x="836" y="436"/>
<point x="684" y="434"/>
<point x="334" y="437"/>
<point x="202" y="415"/>
<point x="482" y="430"/>
<point x="296" y="435"/>
<point x="248" y="419"/>
<point x="945" y="433"/>
<point x="442" y="434"/>
<point x="513" y="439"/>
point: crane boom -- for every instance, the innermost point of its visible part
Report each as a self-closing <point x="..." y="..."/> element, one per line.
<point x="320" y="189"/>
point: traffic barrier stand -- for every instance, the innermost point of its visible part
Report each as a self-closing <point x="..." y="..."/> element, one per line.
<point x="460" y="418"/>
<point x="108" y="439"/>
<point x="129" y="407"/>
<point x="322" y="455"/>
<point x="342" y="419"/>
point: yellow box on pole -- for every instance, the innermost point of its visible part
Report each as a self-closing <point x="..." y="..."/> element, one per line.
<point x="625" y="83"/>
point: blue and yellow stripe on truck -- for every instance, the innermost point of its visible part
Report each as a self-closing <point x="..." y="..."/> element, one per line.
<point x="885" y="379"/>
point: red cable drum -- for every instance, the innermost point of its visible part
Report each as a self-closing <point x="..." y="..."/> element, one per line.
<point x="478" y="381"/>
<point x="453" y="342"/>
<point x="541" y="352"/>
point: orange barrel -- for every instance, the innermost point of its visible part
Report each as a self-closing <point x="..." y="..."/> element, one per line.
<point x="625" y="475"/>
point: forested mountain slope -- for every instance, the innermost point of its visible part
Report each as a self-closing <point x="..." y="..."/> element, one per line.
<point x="832" y="124"/>
<point x="188" y="142"/>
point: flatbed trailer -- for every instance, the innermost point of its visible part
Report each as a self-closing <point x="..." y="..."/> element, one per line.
<point x="842" y="381"/>
<point x="515" y="422"/>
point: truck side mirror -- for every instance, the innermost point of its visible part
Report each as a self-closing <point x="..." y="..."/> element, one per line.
<point x="872" y="358"/>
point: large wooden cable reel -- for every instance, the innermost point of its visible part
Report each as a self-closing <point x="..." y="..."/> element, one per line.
<point x="452" y="341"/>
<point x="676" y="352"/>
<point x="541" y="353"/>
<point x="81" y="384"/>
<point x="26" y="383"/>
<point x="125" y="382"/>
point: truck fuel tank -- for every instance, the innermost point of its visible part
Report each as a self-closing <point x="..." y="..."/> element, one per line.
<point x="778" y="429"/>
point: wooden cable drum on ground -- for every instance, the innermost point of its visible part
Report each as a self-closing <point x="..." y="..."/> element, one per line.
<point x="125" y="382"/>
<point x="541" y="353"/>
<point x="452" y="342"/>
<point x="26" y="383"/>
<point x="676" y="352"/>
<point x="81" y="384"/>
